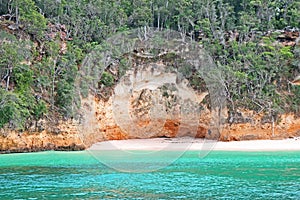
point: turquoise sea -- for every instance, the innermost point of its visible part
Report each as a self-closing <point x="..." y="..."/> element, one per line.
<point x="220" y="175"/>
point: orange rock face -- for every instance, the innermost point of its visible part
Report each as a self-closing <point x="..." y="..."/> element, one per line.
<point x="171" y="128"/>
<point x="99" y="125"/>
<point x="29" y="142"/>
<point x="288" y="127"/>
<point x="114" y="133"/>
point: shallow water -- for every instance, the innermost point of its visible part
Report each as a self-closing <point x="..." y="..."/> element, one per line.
<point x="220" y="175"/>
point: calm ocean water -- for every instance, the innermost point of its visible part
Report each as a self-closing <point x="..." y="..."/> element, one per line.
<point x="220" y="175"/>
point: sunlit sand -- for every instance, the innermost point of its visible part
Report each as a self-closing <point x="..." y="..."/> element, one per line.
<point x="198" y="144"/>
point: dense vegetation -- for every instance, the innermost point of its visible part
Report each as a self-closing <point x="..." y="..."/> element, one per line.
<point x="43" y="43"/>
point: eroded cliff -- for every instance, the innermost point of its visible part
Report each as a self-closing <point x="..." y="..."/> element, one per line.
<point x="99" y="124"/>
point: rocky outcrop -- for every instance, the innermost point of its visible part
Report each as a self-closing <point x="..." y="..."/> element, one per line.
<point x="287" y="126"/>
<point x="249" y="126"/>
<point x="99" y="125"/>
<point x="104" y="119"/>
<point x="65" y="139"/>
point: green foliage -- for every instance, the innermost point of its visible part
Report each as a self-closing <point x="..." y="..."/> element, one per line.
<point x="4" y="7"/>
<point x="286" y="52"/>
<point x="18" y="103"/>
<point x="141" y="17"/>
<point x="5" y="36"/>
<point x="23" y="78"/>
<point x="10" y="113"/>
<point x="256" y="75"/>
<point x="16" y="109"/>
<point x="34" y="22"/>
<point x="50" y="8"/>
<point x="11" y="55"/>
<point x="107" y="79"/>
<point x="37" y="78"/>
<point x="40" y="109"/>
<point x="66" y="99"/>
<point x="124" y="66"/>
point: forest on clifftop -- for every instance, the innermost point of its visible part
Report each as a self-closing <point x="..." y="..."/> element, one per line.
<point x="43" y="44"/>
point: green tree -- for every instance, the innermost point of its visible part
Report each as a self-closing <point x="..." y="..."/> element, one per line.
<point x="27" y="14"/>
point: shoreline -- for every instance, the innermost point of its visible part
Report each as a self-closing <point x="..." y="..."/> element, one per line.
<point x="190" y="144"/>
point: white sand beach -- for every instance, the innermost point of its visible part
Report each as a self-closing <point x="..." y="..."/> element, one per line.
<point x="198" y="144"/>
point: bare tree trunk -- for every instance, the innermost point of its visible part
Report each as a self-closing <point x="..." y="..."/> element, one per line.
<point x="158" y="18"/>
<point x="53" y="84"/>
<point x="9" y="71"/>
<point x="9" y="8"/>
<point x="7" y="83"/>
<point x="182" y="31"/>
<point x="17" y="15"/>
